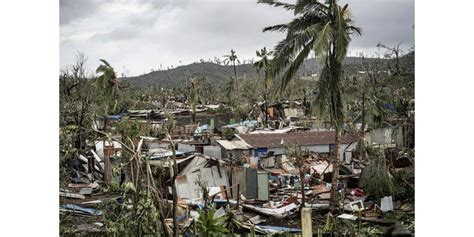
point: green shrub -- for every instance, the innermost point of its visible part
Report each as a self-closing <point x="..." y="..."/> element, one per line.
<point x="228" y="133"/>
<point x="376" y="178"/>
<point x="210" y="226"/>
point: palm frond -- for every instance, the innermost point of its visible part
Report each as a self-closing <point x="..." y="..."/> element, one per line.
<point x="323" y="41"/>
<point x="309" y="5"/>
<point x="291" y="71"/>
<point x="354" y="29"/>
<point x="278" y="28"/>
<point x="287" y="49"/>
<point x="105" y="62"/>
<point x="323" y="89"/>
<point x="304" y="21"/>
<point x="335" y="90"/>
<point x="101" y="68"/>
<point x="287" y="6"/>
<point x="341" y="36"/>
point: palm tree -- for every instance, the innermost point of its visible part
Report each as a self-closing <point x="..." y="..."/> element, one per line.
<point x="326" y="29"/>
<point x="217" y="60"/>
<point x="232" y="58"/>
<point x="264" y="63"/>
<point x="107" y="83"/>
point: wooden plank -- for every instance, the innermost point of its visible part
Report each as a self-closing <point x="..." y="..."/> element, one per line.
<point x="306" y="226"/>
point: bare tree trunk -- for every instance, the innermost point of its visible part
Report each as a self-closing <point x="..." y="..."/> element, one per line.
<point x="173" y="189"/>
<point x="158" y="200"/>
<point x="193" y="101"/>
<point x="235" y="75"/>
<point x="334" y="200"/>
<point x="360" y="148"/>
<point x="303" y="198"/>
<point x="266" y="102"/>
<point x="362" y="129"/>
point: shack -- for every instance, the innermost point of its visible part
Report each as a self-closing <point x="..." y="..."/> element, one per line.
<point x="234" y="149"/>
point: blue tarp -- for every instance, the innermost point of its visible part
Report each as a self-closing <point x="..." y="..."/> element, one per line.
<point x="114" y="117"/>
<point x="280" y="228"/>
<point x="389" y="106"/>
<point x="201" y="129"/>
<point x="90" y="211"/>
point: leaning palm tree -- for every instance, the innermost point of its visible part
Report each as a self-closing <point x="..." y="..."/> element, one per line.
<point x="264" y="63"/>
<point x="326" y="29"/>
<point x="107" y="83"/>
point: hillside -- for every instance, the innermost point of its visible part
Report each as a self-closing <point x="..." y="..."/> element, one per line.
<point x="218" y="74"/>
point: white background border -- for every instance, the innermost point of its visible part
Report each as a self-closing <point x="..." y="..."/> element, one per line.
<point x="29" y="54"/>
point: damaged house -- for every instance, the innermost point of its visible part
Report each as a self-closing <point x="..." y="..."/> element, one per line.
<point x="319" y="142"/>
<point x="209" y="171"/>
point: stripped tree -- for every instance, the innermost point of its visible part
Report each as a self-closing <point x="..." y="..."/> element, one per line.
<point x="231" y="59"/>
<point x="264" y="63"/>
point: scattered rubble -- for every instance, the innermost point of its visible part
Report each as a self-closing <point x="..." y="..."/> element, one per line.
<point x="250" y="175"/>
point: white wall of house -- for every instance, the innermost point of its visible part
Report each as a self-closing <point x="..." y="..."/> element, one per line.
<point x="316" y="149"/>
<point x="345" y="148"/>
<point x="319" y="148"/>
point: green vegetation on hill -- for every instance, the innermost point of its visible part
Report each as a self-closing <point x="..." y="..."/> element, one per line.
<point x="215" y="73"/>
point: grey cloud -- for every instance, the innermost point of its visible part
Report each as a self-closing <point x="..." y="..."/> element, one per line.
<point x="383" y="21"/>
<point x="173" y="31"/>
<point x="70" y="10"/>
<point x="123" y="33"/>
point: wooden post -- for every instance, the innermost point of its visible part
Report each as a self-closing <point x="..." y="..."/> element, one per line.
<point x="238" y="195"/>
<point x="91" y="164"/>
<point x="226" y="195"/>
<point x="107" y="166"/>
<point x="306" y="226"/>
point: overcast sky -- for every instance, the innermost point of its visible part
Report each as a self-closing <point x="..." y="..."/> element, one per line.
<point x="138" y="35"/>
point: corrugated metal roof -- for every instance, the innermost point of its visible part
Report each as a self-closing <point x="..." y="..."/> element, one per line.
<point x="234" y="145"/>
<point x="164" y="162"/>
<point x="157" y="153"/>
<point x="300" y="138"/>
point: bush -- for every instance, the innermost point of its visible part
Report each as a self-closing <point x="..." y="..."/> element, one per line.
<point x="228" y="133"/>
<point x="376" y="178"/>
<point x="404" y="180"/>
